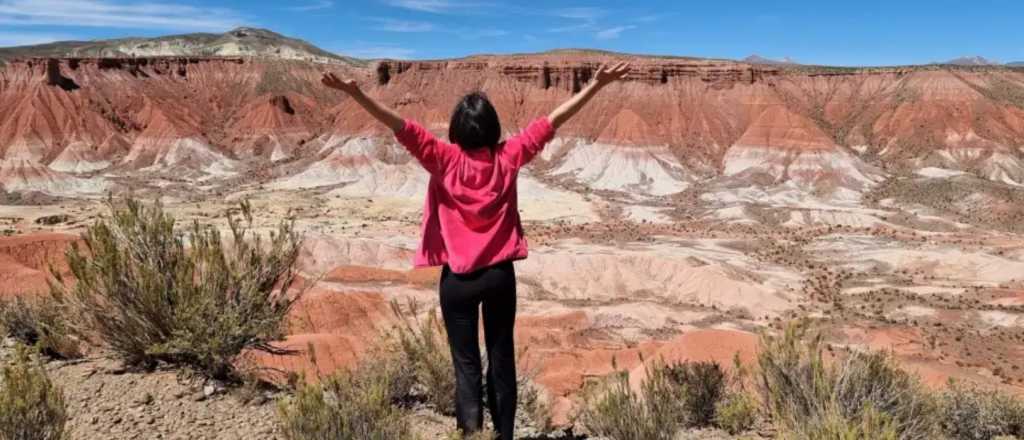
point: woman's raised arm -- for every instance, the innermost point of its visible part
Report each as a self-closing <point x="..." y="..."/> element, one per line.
<point x="568" y="109"/>
<point x="386" y="115"/>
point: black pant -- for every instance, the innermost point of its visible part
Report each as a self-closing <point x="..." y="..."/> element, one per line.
<point x="461" y="297"/>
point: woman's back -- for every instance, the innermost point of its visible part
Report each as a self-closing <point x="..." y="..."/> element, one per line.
<point x="471" y="215"/>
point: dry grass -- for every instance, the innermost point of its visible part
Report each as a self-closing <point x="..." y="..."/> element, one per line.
<point x="701" y="386"/>
<point x="479" y="435"/>
<point x="805" y="396"/>
<point x="971" y="413"/>
<point x="737" y="413"/>
<point x="615" y="411"/>
<point x="31" y="406"/>
<point x="422" y="346"/>
<point x="153" y="294"/>
<point x="869" y="423"/>
<point x="671" y="397"/>
<point x="40" y="322"/>
<point x="347" y="406"/>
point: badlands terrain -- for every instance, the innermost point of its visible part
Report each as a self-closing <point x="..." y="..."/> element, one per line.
<point x="688" y="208"/>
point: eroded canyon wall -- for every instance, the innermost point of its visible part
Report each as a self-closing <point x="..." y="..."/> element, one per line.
<point x="64" y="120"/>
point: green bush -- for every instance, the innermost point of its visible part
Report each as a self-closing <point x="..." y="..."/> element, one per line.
<point x="801" y="392"/>
<point x="480" y="435"/>
<point x="39" y="322"/>
<point x="155" y="295"/>
<point x="671" y="397"/>
<point x="349" y="405"/>
<point x="422" y="346"/>
<point x="869" y="424"/>
<point x="736" y="413"/>
<point x="701" y="386"/>
<point x="532" y="410"/>
<point x="971" y="413"/>
<point x="31" y="407"/>
<point x="615" y="411"/>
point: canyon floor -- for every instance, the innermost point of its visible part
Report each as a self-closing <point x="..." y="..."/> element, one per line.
<point x="612" y="281"/>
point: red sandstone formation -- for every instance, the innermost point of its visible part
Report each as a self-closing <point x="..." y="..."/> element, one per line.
<point x="165" y="114"/>
<point x="25" y="262"/>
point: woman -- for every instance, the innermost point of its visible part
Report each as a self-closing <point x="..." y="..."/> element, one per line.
<point x="471" y="227"/>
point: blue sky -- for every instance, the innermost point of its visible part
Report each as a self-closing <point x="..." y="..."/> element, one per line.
<point x="819" y="32"/>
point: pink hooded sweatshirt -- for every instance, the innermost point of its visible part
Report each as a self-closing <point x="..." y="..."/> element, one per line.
<point x="471" y="215"/>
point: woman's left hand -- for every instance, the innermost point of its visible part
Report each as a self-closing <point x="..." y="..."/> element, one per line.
<point x="606" y="75"/>
<point x="346" y="85"/>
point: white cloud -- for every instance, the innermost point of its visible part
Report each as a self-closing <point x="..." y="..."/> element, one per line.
<point x="579" y="27"/>
<point x="409" y="26"/>
<point x="393" y="25"/>
<point x="583" y="19"/>
<point x="116" y="14"/>
<point x="437" y="6"/>
<point x="650" y="18"/>
<point x="584" y="13"/>
<point x="376" y="51"/>
<point x="8" y="39"/>
<point x="476" y="34"/>
<point x="314" y="6"/>
<point x="612" y="33"/>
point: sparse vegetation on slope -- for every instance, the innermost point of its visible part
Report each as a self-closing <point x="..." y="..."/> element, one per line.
<point x="736" y="413"/>
<point x="31" y="406"/>
<point x="422" y="346"/>
<point x="809" y="398"/>
<point x="971" y="413"/>
<point x="39" y="322"/>
<point x="672" y="397"/>
<point x="966" y="199"/>
<point x="354" y="405"/>
<point x="153" y="294"/>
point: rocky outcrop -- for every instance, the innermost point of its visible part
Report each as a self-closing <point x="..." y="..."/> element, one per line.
<point x="281" y="103"/>
<point x="55" y="78"/>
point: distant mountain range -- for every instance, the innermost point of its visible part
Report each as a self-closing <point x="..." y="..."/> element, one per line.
<point x="262" y="43"/>
<point x="243" y="41"/>
<point x="758" y="59"/>
<point x="981" y="61"/>
<point x="972" y="61"/>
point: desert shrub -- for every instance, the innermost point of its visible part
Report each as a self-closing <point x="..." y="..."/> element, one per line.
<point x="672" y="396"/>
<point x="615" y="411"/>
<point x="422" y="346"/>
<point x="701" y="386"/>
<point x="153" y="294"/>
<point x="800" y="391"/>
<point x="971" y="413"/>
<point x="39" y="322"/>
<point x="31" y="406"/>
<point x="348" y="405"/>
<point x="736" y="413"/>
<point x="532" y="410"/>
<point x="479" y="435"/>
<point x="869" y="423"/>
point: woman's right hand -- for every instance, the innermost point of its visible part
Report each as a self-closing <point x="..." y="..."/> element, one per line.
<point x="346" y="85"/>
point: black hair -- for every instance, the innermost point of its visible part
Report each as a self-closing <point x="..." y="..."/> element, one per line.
<point x="474" y="123"/>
